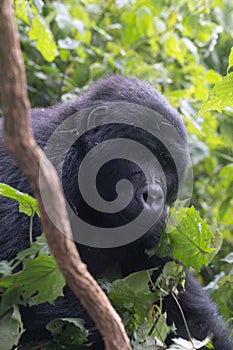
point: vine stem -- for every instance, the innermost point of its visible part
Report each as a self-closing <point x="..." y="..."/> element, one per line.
<point x="183" y="317"/>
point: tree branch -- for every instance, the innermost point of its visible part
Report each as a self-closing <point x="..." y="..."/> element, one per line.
<point x="21" y="145"/>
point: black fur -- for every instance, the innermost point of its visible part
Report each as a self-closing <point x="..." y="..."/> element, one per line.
<point x="201" y="314"/>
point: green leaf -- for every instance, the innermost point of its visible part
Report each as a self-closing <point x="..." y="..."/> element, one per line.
<point x="132" y="293"/>
<point x="144" y="21"/>
<point x="191" y="239"/>
<point x="129" y="30"/>
<point x="135" y="301"/>
<point x="27" y="204"/>
<point x="221" y="96"/>
<point x="230" y="61"/>
<point x="174" y="49"/>
<point x="227" y="171"/>
<point x="5" y="267"/>
<point x="224" y="206"/>
<point x="39" y="246"/>
<point x="147" y="338"/>
<point x="213" y="77"/>
<point x="96" y="70"/>
<point x="68" y="332"/>
<point x="173" y="274"/>
<point x="11" y="328"/>
<point x="137" y="281"/>
<point x="23" y="10"/>
<point x="223" y="296"/>
<point x="38" y="282"/>
<point x="44" y="39"/>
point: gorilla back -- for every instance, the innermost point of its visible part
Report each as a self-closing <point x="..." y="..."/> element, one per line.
<point x="147" y="196"/>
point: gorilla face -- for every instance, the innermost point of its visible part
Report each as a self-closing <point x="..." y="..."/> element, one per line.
<point x="121" y="178"/>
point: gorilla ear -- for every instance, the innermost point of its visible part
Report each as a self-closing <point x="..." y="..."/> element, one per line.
<point x="89" y="117"/>
<point x="97" y="116"/>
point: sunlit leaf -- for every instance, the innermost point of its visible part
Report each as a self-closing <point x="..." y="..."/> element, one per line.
<point x="191" y="240"/>
<point x="27" y="204"/>
<point x="230" y="61"/>
<point x="221" y="96"/>
<point x="43" y="38"/>
<point x="23" y="10"/>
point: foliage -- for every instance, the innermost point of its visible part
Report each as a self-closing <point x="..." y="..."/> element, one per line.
<point x="68" y="44"/>
<point x="221" y="96"/>
<point x="68" y="332"/>
<point x="192" y="240"/>
<point x="11" y="328"/>
<point x="27" y="204"/>
<point x="138" y="298"/>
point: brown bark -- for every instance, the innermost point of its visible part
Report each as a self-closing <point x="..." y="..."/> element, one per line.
<point x="21" y="145"/>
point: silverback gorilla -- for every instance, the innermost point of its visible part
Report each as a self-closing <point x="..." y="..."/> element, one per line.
<point x="201" y="314"/>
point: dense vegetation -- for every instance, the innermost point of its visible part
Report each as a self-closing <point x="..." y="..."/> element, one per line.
<point x="183" y="48"/>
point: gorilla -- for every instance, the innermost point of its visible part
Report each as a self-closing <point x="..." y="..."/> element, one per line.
<point x="125" y="257"/>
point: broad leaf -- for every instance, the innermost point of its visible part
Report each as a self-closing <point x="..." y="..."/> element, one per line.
<point x="220" y="97"/>
<point x="38" y="282"/>
<point x="27" y="204"/>
<point x="11" y="328"/>
<point x="191" y="240"/>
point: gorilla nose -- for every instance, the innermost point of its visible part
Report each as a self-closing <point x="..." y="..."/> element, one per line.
<point x="148" y="198"/>
<point x="144" y="196"/>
